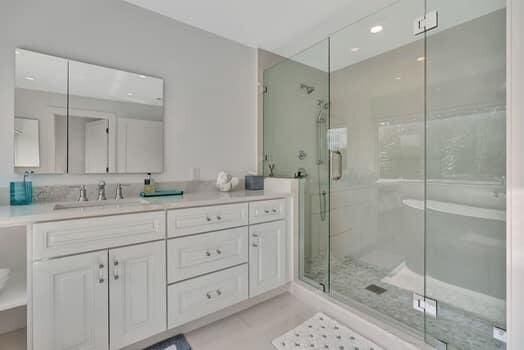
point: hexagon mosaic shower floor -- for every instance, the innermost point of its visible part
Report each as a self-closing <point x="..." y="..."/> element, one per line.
<point x="323" y="332"/>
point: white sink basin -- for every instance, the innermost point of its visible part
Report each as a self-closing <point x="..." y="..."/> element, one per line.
<point x="101" y="204"/>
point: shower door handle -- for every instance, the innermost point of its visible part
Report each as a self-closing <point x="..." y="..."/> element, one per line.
<point x="336" y="165"/>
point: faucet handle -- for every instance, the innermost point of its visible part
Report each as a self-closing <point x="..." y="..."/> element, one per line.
<point x="82" y="197"/>
<point x="119" y="192"/>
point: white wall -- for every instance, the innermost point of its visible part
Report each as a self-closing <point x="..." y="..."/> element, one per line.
<point x="210" y="82"/>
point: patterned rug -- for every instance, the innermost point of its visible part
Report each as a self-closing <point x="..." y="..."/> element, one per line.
<point x="178" y="342"/>
<point x="322" y="332"/>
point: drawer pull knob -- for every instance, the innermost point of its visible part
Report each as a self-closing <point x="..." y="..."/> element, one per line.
<point x="208" y="253"/>
<point x="255" y="245"/>
<point x="275" y="211"/>
<point x="255" y="235"/>
<point x="219" y="292"/>
<point x="208" y="218"/>
<point x="219" y="251"/>
<point x="100" y="280"/>
<point x="208" y="295"/>
<point x="219" y="217"/>
<point x="101" y="266"/>
<point x="266" y="211"/>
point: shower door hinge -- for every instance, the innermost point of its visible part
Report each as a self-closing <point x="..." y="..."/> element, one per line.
<point x="425" y="305"/>
<point x="425" y="23"/>
<point x="500" y="334"/>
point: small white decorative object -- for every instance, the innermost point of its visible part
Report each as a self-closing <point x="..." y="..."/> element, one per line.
<point x="226" y="182"/>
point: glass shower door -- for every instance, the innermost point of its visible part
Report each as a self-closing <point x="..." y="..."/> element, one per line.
<point x="377" y="178"/>
<point x="466" y="163"/>
<point x="296" y="120"/>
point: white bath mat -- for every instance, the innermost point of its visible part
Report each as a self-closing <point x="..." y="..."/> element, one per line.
<point x="322" y="332"/>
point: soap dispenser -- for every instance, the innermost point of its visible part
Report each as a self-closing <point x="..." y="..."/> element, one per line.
<point x="148" y="184"/>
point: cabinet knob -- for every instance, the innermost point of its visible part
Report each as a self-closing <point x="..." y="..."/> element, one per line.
<point x="255" y="235"/>
<point x="266" y="211"/>
<point x="275" y="210"/>
<point x="219" y="251"/>
<point x="101" y="280"/>
<point x="255" y="245"/>
<point x="208" y="253"/>
<point x="219" y="292"/>
<point x="219" y="217"/>
<point x="208" y="295"/>
<point x="208" y="218"/>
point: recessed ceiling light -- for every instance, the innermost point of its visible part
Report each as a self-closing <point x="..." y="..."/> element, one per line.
<point x="355" y="49"/>
<point x="421" y="58"/>
<point x="376" y="29"/>
<point x="142" y="76"/>
<point x="129" y="94"/>
<point x="30" y="78"/>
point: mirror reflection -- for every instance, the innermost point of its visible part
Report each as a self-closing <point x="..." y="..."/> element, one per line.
<point x="115" y="121"/>
<point x="85" y="119"/>
<point x="40" y="126"/>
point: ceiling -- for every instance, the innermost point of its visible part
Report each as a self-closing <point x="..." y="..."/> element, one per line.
<point x="36" y="71"/>
<point x="274" y="25"/>
<point x="289" y="27"/>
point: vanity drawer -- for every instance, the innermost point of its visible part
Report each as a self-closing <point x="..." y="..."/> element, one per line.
<point x="196" y="255"/>
<point x="182" y="222"/>
<point x="198" y="297"/>
<point x="270" y="210"/>
<point x="58" y="238"/>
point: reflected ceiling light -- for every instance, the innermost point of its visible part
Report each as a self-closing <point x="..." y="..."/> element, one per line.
<point x="355" y="49"/>
<point x="129" y="94"/>
<point x="376" y="29"/>
<point x="421" y="58"/>
<point x="29" y="78"/>
<point x="142" y="76"/>
<point x="17" y="52"/>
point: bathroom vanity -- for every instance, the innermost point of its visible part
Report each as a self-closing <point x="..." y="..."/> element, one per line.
<point x="106" y="277"/>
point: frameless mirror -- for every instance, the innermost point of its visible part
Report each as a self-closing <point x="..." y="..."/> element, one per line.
<point x="115" y="121"/>
<point x="85" y="119"/>
<point x="40" y="126"/>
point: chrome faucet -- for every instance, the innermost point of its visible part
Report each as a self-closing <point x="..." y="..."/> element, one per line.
<point x="102" y="191"/>
<point x="82" y="196"/>
<point x="119" y="192"/>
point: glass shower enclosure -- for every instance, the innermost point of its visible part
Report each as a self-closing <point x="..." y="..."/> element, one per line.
<point x="397" y="136"/>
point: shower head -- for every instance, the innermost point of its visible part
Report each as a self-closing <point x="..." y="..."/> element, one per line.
<point x="307" y="88"/>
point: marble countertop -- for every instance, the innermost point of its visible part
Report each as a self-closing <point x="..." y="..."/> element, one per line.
<point x="28" y="214"/>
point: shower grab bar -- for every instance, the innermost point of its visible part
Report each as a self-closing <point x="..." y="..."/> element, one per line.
<point x="336" y="172"/>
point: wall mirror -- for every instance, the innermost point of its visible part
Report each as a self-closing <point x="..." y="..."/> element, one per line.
<point x="40" y="127"/>
<point x="102" y="121"/>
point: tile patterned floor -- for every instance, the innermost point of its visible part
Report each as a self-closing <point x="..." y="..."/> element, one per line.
<point x="460" y="329"/>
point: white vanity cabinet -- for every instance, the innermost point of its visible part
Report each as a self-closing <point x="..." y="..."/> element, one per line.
<point x="268" y="265"/>
<point x="70" y="303"/>
<point x="137" y="293"/>
<point x="104" y="283"/>
<point x="107" y="299"/>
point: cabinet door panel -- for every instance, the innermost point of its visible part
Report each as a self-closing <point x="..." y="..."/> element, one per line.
<point x="70" y="303"/>
<point x="137" y="293"/>
<point x="267" y="257"/>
